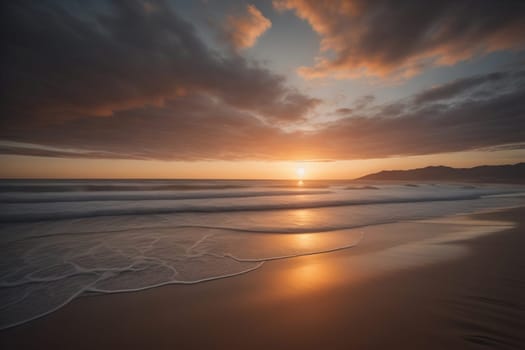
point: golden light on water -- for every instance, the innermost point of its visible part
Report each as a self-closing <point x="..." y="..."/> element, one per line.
<point x="302" y="217"/>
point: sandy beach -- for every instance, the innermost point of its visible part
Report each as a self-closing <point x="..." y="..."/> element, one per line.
<point x="400" y="292"/>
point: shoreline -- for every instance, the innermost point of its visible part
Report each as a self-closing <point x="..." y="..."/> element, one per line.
<point x="293" y="302"/>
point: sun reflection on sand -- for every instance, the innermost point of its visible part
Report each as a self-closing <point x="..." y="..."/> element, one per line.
<point x="305" y="240"/>
<point x="307" y="275"/>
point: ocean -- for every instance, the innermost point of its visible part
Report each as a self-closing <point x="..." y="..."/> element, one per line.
<point x="63" y="239"/>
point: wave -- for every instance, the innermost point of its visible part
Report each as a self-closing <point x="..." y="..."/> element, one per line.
<point x="146" y="196"/>
<point x="173" y="208"/>
<point x="43" y="186"/>
<point x="42" y="284"/>
<point x="264" y="230"/>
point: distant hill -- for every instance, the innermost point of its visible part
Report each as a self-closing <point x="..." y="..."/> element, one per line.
<point x="486" y="173"/>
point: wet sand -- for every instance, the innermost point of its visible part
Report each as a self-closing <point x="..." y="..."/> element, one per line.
<point x="397" y="290"/>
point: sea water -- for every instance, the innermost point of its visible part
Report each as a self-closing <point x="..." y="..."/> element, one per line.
<point x="61" y="239"/>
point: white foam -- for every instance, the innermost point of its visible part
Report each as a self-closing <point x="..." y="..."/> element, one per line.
<point x="56" y="269"/>
<point x="44" y="265"/>
<point x="26" y="212"/>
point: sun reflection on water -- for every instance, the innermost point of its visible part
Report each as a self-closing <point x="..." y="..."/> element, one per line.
<point x="302" y="217"/>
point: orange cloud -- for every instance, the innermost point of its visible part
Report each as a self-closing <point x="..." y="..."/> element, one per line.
<point x="242" y="31"/>
<point x="401" y="38"/>
<point x="165" y="95"/>
<point x="479" y="112"/>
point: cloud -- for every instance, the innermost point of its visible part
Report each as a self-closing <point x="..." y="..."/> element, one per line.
<point x="466" y="85"/>
<point x="201" y="127"/>
<point x="243" y="30"/>
<point x="124" y="80"/>
<point x="192" y="127"/>
<point x="363" y="102"/>
<point x="473" y="113"/>
<point x="358" y="105"/>
<point x="388" y="38"/>
<point x="39" y="151"/>
<point x="62" y="61"/>
<point x="343" y="111"/>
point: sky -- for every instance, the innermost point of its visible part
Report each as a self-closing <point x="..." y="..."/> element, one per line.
<point x="257" y="89"/>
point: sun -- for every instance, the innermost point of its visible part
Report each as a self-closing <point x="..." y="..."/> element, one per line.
<point x="300" y="172"/>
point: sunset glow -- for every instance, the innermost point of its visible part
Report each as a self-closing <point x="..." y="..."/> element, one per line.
<point x="262" y="174"/>
<point x="300" y="172"/>
<point x="260" y="86"/>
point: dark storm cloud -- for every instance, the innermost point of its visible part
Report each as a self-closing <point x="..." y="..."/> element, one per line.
<point x="402" y="37"/>
<point x="66" y="60"/>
